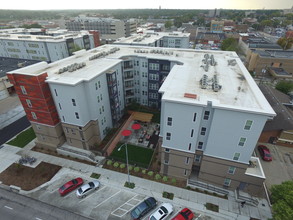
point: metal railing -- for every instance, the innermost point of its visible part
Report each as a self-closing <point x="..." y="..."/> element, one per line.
<point x="208" y="187"/>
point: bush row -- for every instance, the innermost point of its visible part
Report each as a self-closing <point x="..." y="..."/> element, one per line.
<point x="143" y="171"/>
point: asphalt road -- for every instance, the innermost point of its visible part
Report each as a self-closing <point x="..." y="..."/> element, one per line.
<point x="13" y="129"/>
<point x="14" y="206"/>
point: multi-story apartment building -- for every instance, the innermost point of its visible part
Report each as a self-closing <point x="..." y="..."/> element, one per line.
<point x="109" y="28"/>
<point x="157" y="39"/>
<point x="45" y="46"/>
<point x="212" y="112"/>
<point x="217" y="26"/>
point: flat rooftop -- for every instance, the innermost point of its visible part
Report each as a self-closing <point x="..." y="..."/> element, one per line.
<point x="41" y="38"/>
<point x="148" y="38"/>
<point x="255" y="168"/>
<point x="237" y="88"/>
<point x="275" y="53"/>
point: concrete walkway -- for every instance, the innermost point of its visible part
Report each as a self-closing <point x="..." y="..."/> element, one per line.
<point x="228" y="208"/>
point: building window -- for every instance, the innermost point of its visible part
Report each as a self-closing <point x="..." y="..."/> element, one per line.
<point x="166" y="162"/>
<point x="227" y="182"/>
<point x="96" y="85"/>
<point x="197" y="158"/>
<point x="168" y="136"/>
<point x="63" y="118"/>
<point x="55" y="92"/>
<point x="191" y="134"/>
<point x="248" y="125"/>
<point x="60" y="106"/>
<point x="231" y="170"/>
<point x="73" y="102"/>
<point x="200" y="144"/>
<point x="76" y="115"/>
<point x="23" y="90"/>
<point x="28" y="102"/>
<point x="203" y="131"/>
<point x="34" y="115"/>
<point x="194" y="117"/>
<point x="242" y="141"/>
<point x="206" y="115"/>
<point x="189" y="146"/>
<point x="154" y="66"/>
<point x="185" y="172"/>
<point x="99" y="84"/>
<point x="187" y="160"/>
<point x="169" y="121"/>
<point x="236" y="156"/>
<point x="167" y="149"/>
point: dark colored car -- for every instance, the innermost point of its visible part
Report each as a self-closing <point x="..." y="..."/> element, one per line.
<point x="71" y="185"/>
<point x="143" y="208"/>
<point x="265" y="153"/>
<point x="184" y="214"/>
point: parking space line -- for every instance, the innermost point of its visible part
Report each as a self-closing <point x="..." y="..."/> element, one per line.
<point x="119" y="208"/>
<point x="108" y="198"/>
<point x="93" y="193"/>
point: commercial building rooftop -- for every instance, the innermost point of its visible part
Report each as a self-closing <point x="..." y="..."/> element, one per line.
<point x="275" y="53"/>
<point x="225" y="81"/>
<point x="148" y="38"/>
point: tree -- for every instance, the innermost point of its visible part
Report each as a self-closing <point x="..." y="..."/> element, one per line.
<point x="284" y="86"/>
<point x="35" y="25"/>
<point x="229" y="44"/>
<point x="168" y="24"/>
<point x="285" y="42"/>
<point x="282" y="199"/>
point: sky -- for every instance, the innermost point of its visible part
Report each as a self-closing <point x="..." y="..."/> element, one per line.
<point x="140" y="4"/>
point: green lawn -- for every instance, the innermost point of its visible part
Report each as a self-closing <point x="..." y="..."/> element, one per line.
<point x="23" y="138"/>
<point x="136" y="155"/>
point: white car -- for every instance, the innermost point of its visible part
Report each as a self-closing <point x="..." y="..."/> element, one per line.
<point x="163" y="212"/>
<point x="87" y="188"/>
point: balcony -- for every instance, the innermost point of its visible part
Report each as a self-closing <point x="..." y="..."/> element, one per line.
<point x="255" y="168"/>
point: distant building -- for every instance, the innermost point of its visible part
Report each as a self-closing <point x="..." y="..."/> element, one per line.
<point x="288" y="11"/>
<point x="110" y="29"/>
<point x="157" y="39"/>
<point x="279" y="130"/>
<point x="217" y="26"/>
<point x="39" y="44"/>
<point x="259" y="61"/>
<point x="214" y="13"/>
<point x="209" y="38"/>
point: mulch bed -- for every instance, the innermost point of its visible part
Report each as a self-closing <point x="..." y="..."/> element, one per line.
<point x="28" y="178"/>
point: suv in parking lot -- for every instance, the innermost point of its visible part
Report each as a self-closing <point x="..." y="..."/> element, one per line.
<point x="143" y="208"/>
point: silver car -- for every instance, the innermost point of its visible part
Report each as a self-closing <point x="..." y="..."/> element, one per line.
<point x="85" y="189"/>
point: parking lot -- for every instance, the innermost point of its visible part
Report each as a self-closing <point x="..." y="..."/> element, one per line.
<point x="108" y="202"/>
<point x="280" y="169"/>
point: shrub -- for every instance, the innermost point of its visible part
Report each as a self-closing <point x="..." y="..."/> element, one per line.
<point x="144" y="171"/>
<point x="173" y="181"/>
<point x="168" y="195"/>
<point x="136" y="169"/>
<point x="188" y="187"/>
<point x="150" y="173"/>
<point x="95" y="175"/>
<point x="157" y="176"/>
<point x="165" y="178"/>
<point x="116" y="164"/>
<point x="130" y="167"/>
<point x="109" y="162"/>
<point x="129" y="185"/>
<point x="122" y="166"/>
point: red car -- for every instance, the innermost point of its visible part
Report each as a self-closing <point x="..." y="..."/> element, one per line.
<point x="265" y="153"/>
<point x="71" y="185"/>
<point x="184" y="214"/>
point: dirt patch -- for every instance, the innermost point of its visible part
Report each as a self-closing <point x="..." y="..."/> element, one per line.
<point x="28" y="178"/>
<point x="54" y="153"/>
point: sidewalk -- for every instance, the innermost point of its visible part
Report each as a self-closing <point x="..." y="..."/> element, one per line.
<point x="228" y="209"/>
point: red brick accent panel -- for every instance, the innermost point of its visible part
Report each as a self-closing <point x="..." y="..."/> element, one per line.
<point x="36" y="97"/>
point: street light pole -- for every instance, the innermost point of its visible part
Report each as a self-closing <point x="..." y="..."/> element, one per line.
<point x="126" y="159"/>
<point x="127" y="163"/>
